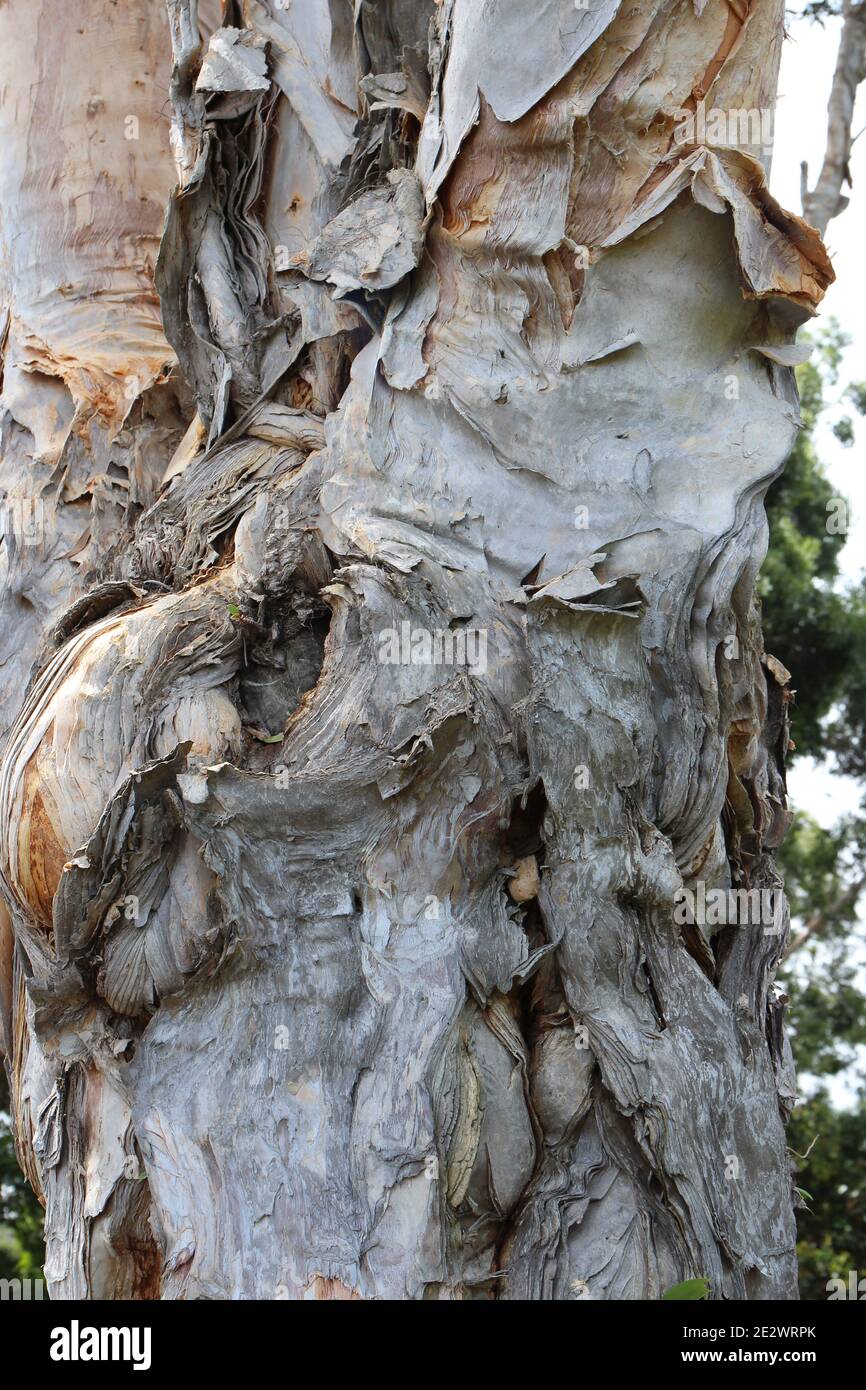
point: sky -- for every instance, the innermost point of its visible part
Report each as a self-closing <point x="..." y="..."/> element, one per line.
<point x="808" y="60"/>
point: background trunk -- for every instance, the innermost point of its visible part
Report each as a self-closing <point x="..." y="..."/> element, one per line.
<point x="334" y="968"/>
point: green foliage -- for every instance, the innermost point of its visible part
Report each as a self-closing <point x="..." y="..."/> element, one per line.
<point x="846" y="731"/>
<point x="828" y="1020"/>
<point x="690" y="1290"/>
<point x="822" y="868"/>
<point x="844" y="431"/>
<point x="821" y="9"/>
<point x="819" y="631"/>
<point x="22" y="1249"/>
<point x="808" y="624"/>
<point x="829" y="1152"/>
<point x="857" y="393"/>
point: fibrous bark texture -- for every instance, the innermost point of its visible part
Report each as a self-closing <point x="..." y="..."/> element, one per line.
<point x="382" y="651"/>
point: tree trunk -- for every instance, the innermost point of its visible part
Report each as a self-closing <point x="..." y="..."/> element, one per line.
<point x="383" y="651"/>
<point x="826" y="200"/>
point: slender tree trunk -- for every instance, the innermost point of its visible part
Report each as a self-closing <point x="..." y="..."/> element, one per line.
<point x="826" y="200"/>
<point x="383" y="653"/>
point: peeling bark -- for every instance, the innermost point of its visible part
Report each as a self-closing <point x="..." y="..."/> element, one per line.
<point x="369" y="739"/>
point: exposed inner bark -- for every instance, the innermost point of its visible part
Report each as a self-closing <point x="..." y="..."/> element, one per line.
<point x="338" y="971"/>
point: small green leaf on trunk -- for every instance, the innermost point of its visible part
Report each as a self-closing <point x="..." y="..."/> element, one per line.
<point x="691" y="1289"/>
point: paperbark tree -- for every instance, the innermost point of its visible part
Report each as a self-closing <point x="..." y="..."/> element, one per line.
<point x="382" y="647"/>
<point x="826" y="200"/>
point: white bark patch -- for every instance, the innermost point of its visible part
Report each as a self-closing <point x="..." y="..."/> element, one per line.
<point x="235" y="61"/>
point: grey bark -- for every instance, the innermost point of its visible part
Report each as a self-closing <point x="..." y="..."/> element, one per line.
<point x="826" y="200"/>
<point x="331" y="973"/>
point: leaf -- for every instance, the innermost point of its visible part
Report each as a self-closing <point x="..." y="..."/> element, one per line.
<point x="690" y="1289"/>
<point x="234" y="611"/>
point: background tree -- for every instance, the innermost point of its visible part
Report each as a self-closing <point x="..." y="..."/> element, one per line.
<point x="826" y="200"/>
<point x="822" y="633"/>
<point x="818" y="625"/>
